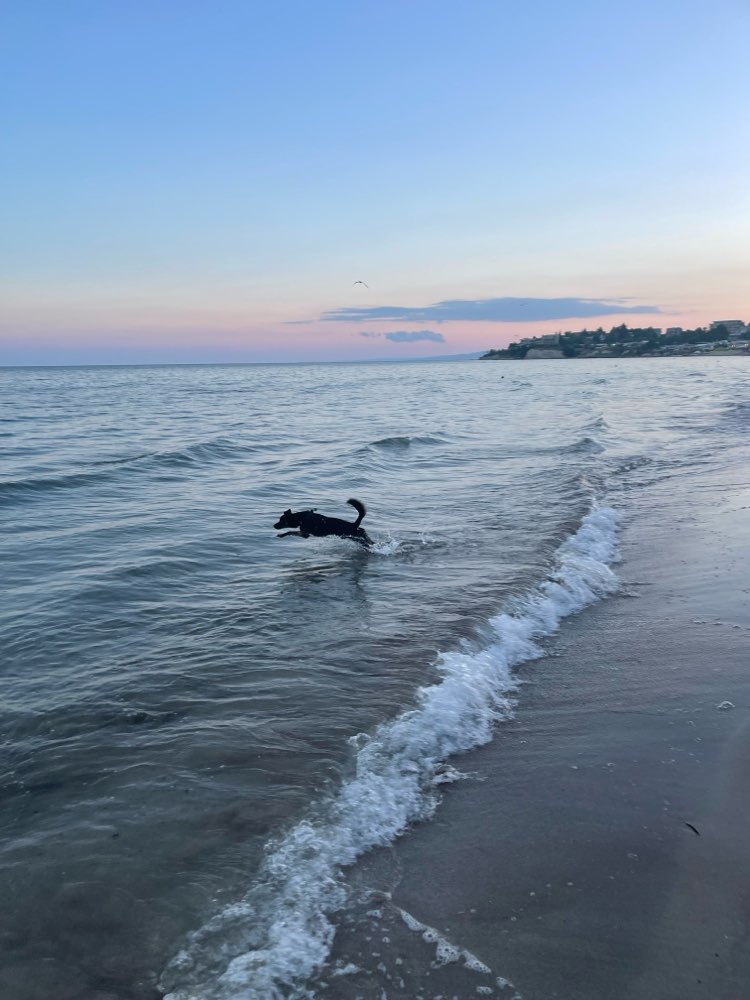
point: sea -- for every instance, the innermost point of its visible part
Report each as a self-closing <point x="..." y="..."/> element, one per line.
<point x="206" y="728"/>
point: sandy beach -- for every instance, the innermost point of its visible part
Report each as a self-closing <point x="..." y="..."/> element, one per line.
<point x="600" y="849"/>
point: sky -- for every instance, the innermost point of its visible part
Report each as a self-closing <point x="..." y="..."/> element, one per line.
<point x="191" y="182"/>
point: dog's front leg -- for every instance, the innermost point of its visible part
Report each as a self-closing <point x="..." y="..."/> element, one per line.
<point x="286" y="534"/>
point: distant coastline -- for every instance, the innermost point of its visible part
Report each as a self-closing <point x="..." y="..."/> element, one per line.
<point x="724" y="337"/>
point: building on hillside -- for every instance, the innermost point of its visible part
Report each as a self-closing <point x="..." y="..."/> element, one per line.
<point x="674" y="331"/>
<point x="546" y="339"/>
<point x="734" y="327"/>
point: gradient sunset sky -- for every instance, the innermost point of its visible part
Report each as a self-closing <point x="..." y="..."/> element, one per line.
<point x="191" y="181"/>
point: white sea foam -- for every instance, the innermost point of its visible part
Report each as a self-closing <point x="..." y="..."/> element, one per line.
<point x="268" y="944"/>
<point x="446" y="952"/>
<point x="386" y="546"/>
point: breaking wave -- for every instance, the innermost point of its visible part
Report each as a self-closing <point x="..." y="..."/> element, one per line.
<point x="268" y="944"/>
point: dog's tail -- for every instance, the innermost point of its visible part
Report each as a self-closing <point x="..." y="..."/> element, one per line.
<point x="360" y="509"/>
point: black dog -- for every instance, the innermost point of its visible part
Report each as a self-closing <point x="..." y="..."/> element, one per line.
<point x="310" y="523"/>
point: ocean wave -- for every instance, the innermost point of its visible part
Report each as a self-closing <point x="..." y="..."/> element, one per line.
<point x="584" y="445"/>
<point x="738" y="412"/>
<point x="268" y="944"/>
<point x="632" y="463"/>
<point x="31" y="487"/>
<point x="597" y="424"/>
<point x="216" y="449"/>
<point x="404" y="441"/>
<point x="199" y="454"/>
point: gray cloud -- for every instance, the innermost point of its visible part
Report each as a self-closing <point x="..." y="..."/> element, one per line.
<point x="407" y="336"/>
<point x="503" y="310"/>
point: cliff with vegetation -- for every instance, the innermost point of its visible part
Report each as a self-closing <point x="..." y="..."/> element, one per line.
<point x="623" y="341"/>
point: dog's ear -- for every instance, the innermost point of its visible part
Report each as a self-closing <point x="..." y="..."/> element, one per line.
<point x="288" y="510"/>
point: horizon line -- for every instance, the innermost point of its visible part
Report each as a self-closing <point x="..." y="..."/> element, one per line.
<point x="465" y="356"/>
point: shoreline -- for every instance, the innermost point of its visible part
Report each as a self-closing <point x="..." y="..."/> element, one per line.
<point x="598" y="850"/>
<point x="634" y="357"/>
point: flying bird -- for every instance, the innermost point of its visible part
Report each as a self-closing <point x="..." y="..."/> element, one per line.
<point x="361" y="283"/>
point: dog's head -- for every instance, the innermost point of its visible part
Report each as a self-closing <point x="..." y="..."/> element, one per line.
<point x="289" y="519"/>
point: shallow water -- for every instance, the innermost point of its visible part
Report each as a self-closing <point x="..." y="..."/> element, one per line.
<point x="203" y="723"/>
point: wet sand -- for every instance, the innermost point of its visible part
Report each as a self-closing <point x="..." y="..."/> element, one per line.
<point x="601" y="850"/>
